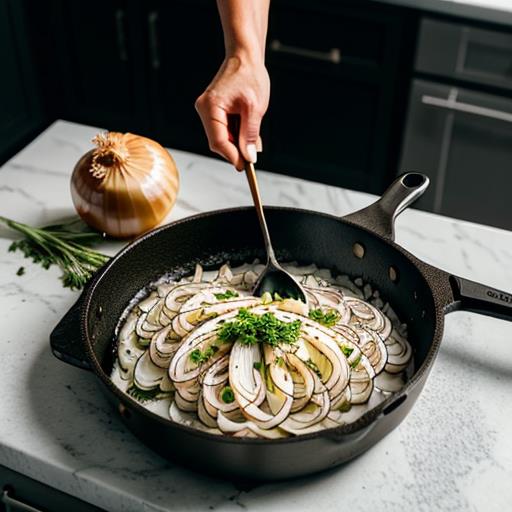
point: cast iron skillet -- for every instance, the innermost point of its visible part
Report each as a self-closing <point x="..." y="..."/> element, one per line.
<point x="419" y="293"/>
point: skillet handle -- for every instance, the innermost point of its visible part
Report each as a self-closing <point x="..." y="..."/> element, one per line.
<point x="380" y="216"/>
<point x="66" y="338"/>
<point x="478" y="298"/>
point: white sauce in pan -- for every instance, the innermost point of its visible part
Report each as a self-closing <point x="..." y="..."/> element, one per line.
<point x="205" y="353"/>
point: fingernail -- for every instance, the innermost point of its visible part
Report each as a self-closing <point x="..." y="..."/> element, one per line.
<point x="251" y="151"/>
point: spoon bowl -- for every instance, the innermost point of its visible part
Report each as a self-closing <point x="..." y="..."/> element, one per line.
<point x="274" y="278"/>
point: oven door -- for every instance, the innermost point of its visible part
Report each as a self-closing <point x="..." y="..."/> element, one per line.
<point x="463" y="141"/>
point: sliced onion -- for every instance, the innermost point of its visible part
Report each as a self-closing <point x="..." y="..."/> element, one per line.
<point x="146" y="304"/>
<point x="147" y="375"/>
<point x="399" y="353"/>
<point x="247" y="429"/>
<point x="161" y="349"/>
<point x="373" y="347"/>
<point x="189" y="420"/>
<point x="389" y="382"/>
<point x="128" y="351"/>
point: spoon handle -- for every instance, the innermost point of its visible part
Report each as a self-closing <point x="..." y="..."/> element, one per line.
<point x="234" y="131"/>
<point x="255" y="192"/>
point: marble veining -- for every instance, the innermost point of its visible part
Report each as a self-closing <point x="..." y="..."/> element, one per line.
<point x="453" y="452"/>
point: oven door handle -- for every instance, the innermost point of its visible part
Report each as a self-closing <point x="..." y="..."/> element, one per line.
<point x="467" y="108"/>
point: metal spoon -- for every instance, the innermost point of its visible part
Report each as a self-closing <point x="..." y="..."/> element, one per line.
<point x="274" y="278"/>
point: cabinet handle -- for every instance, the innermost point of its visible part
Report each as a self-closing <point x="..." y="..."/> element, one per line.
<point x="467" y="108"/>
<point x="153" y="39"/>
<point x="333" y="55"/>
<point x="121" y="35"/>
<point x="14" y="505"/>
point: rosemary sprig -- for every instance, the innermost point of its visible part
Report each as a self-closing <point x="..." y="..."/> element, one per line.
<point x="65" y="245"/>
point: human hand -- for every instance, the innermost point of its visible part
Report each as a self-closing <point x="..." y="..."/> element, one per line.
<point x="240" y="87"/>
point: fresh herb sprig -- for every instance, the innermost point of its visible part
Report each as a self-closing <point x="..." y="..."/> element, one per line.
<point x="249" y="328"/>
<point x="328" y="318"/>
<point x="228" y="294"/>
<point x="65" y="245"/>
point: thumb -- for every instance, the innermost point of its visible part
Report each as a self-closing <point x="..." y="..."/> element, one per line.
<point x="250" y="122"/>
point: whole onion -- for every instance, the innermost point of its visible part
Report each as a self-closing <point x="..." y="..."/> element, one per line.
<point x="126" y="185"/>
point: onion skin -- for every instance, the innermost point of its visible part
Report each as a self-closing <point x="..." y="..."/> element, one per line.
<point x="125" y="186"/>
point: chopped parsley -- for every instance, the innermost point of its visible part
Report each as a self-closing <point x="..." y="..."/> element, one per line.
<point x="199" y="356"/>
<point x="143" y="395"/>
<point x="20" y="271"/>
<point x="345" y="406"/>
<point x="346" y="350"/>
<point x="257" y="365"/>
<point x="249" y="329"/>
<point x="227" y="395"/>
<point x="327" y="318"/>
<point x="228" y="294"/>
<point x="143" y="342"/>
<point x="313" y="366"/>
<point x="355" y="362"/>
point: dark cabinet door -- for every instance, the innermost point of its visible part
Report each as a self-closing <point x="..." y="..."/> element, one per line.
<point x="321" y="127"/>
<point x="335" y="74"/>
<point x="185" y="50"/>
<point x="19" y="102"/>
<point x="101" y="56"/>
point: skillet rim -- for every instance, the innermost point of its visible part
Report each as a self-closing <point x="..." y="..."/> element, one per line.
<point x="367" y="420"/>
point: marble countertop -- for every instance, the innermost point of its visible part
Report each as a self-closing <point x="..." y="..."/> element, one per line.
<point x="494" y="11"/>
<point x="453" y="452"/>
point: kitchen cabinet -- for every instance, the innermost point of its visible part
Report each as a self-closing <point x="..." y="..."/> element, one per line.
<point x="336" y="91"/>
<point x="19" y="493"/>
<point x="100" y="63"/>
<point x="21" y="113"/>
<point x="337" y="73"/>
<point x="186" y="47"/>
<point x="459" y="123"/>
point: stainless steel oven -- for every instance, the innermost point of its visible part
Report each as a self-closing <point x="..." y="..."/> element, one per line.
<point x="456" y="133"/>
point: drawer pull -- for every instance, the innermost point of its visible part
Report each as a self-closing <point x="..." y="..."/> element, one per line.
<point x="467" y="108"/>
<point x="121" y="35"/>
<point x="14" y="505"/>
<point x="333" y="55"/>
<point x="153" y="39"/>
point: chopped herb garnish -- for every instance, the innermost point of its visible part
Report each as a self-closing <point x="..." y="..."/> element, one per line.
<point x="227" y="395"/>
<point x="199" y="357"/>
<point x="144" y="342"/>
<point x="327" y="318"/>
<point x="257" y="365"/>
<point x="346" y="350"/>
<point x="345" y="406"/>
<point x="355" y="362"/>
<point x="249" y="328"/>
<point x="20" y="271"/>
<point x="312" y="365"/>
<point x="279" y="360"/>
<point x="228" y="294"/>
<point x="143" y="395"/>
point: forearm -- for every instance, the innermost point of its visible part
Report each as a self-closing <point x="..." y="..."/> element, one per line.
<point x="245" y="27"/>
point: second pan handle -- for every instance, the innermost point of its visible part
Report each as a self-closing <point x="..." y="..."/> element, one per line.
<point x="479" y="298"/>
<point x="380" y="216"/>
